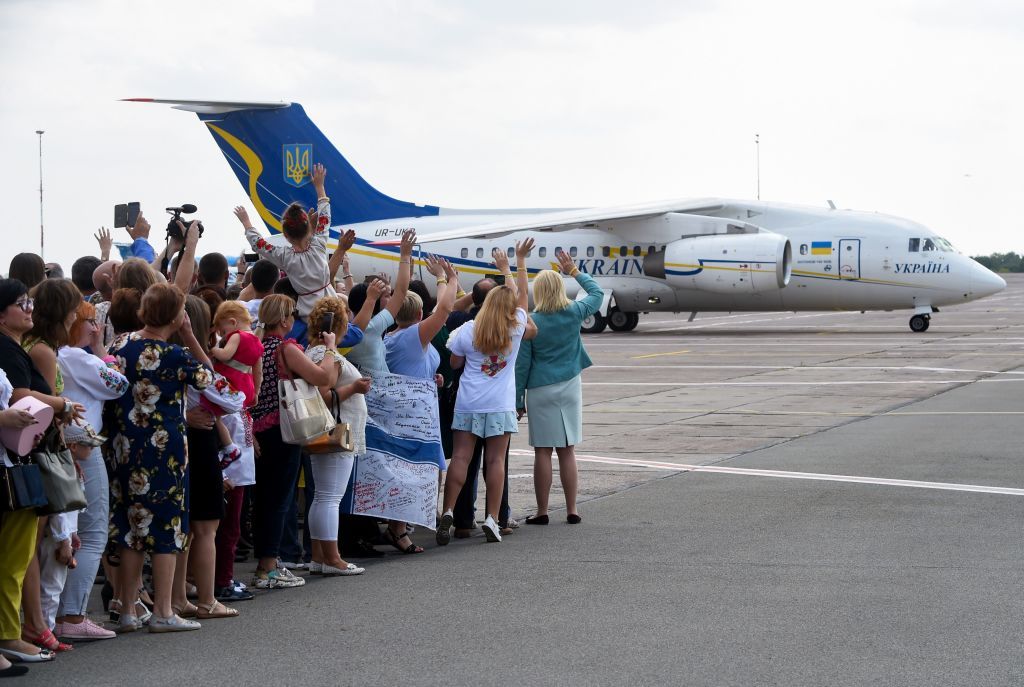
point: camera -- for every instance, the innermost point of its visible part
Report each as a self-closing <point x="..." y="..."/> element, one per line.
<point x="173" y="230"/>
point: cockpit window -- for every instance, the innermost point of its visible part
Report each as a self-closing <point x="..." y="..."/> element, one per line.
<point x="928" y="245"/>
<point x="944" y="245"/>
<point x="915" y="245"/>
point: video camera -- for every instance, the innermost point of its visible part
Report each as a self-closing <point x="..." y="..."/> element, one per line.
<point x="173" y="230"/>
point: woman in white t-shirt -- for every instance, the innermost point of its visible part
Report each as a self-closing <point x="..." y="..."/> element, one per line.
<point x="485" y="404"/>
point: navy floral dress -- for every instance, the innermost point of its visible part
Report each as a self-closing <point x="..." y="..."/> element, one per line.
<point x="147" y="444"/>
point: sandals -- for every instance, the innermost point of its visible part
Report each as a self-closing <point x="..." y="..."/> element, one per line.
<point x="215" y="610"/>
<point x="44" y="640"/>
<point x="393" y="539"/>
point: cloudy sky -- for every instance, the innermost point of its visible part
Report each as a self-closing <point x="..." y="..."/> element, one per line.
<point x="908" y="107"/>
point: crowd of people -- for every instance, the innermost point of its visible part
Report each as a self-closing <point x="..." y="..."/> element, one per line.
<point x="162" y="379"/>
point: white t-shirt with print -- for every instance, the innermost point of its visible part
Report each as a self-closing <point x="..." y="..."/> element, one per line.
<point x="488" y="383"/>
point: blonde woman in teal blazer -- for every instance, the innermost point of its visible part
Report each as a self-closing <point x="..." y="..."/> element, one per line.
<point x="548" y="379"/>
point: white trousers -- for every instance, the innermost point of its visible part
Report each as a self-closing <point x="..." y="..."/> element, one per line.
<point x="52" y="575"/>
<point x="331" y="472"/>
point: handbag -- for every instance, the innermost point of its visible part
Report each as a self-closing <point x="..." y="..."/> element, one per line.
<point x="339" y="439"/>
<point x="304" y="415"/>
<point x="64" y="492"/>
<point x="21" y="486"/>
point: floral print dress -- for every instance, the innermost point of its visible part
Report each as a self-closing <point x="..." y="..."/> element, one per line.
<point x="148" y="506"/>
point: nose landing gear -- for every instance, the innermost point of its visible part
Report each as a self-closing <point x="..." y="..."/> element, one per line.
<point x="919" y="323"/>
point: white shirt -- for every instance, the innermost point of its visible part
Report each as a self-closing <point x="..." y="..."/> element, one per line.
<point x="90" y="381"/>
<point x="488" y="383"/>
<point x="353" y="409"/>
<point x="6" y="391"/>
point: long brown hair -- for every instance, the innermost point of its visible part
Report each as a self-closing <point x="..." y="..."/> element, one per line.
<point x="55" y="300"/>
<point x="492" y="333"/>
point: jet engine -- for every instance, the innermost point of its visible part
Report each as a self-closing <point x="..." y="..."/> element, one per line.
<point x="724" y="263"/>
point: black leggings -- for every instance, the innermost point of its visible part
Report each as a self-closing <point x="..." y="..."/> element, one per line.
<point x="277" y="469"/>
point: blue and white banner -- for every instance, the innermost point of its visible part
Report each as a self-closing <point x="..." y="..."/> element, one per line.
<point x="396" y="479"/>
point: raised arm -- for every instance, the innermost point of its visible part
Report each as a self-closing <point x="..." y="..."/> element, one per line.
<point x="402" y="283"/>
<point x="187" y="262"/>
<point x="501" y="263"/>
<point x="595" y="296"/>
<point x="106" y="243"/>
<point x="447" y="283"/>
<point x="523" y="249"/>
<point x="345" y="242"/>
<point x="374" y="291"/>
<point x="276" y="254"/>
<point x="322" y="218"/>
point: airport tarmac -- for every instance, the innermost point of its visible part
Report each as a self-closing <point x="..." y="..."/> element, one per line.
<point x="768" y="499"/>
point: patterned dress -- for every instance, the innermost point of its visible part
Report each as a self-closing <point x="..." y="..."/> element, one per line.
<point x="147" y="442"/>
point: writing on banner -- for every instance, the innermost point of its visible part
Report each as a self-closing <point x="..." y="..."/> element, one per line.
<point x="397" y="477"/>
<point x="404" y="407"/>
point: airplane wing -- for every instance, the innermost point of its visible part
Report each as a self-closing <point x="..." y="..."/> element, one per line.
<point x="563" y="220"/>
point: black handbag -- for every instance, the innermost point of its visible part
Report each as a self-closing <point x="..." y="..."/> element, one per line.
<point x="21" y="486"/>
<point x="64" y="492"/>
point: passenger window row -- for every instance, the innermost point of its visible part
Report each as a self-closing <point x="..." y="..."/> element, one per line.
<point x="606" y="251"/>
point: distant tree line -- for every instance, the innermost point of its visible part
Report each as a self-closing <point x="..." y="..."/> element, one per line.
<point x="1002" y="262"/>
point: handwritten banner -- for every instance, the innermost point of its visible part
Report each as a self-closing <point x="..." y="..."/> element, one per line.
<point x="396" y="479"/>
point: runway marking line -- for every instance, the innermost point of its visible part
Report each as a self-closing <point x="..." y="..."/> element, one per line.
<point x="786" y="474"/>
<point x="657" y="355"/>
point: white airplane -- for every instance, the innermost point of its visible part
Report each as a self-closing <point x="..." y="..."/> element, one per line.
<point x="709" y="254"/>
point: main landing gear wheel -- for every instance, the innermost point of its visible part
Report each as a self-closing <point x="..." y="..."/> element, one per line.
<point x="621" y="321"/>
<point x="594" y="324"/>
<point x="919" y="323"/>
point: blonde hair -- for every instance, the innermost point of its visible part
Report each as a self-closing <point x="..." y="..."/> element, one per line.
<point x="411" y="310"/>
<point x="232" y="309"/>
<point x="323" y="306"/>
<point x="492" y="333"/>
<point x="549" y="292"/>
<point x="274" y="309"/>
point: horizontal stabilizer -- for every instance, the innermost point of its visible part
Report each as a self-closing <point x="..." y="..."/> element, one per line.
<point x="209" y="106"/>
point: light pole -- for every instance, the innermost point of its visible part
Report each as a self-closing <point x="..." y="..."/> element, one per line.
<point x="42" y="244"/>
<point x="757" y="147"/>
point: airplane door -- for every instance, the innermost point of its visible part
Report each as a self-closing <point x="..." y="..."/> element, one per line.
<point x="849" y="258"/>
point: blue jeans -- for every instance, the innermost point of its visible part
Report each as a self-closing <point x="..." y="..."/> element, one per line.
<point x="92" y="530"/>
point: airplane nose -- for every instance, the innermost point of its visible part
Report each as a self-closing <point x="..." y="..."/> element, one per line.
<point x="985" y="282"/>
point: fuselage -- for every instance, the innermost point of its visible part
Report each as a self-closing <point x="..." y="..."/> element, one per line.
<point x="841" y="259"/>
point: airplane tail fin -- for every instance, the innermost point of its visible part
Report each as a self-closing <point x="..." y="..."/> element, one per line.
<point x="272" y="147"/>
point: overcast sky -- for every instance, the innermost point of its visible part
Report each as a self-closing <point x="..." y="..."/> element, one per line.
<point x="908" y="107"/>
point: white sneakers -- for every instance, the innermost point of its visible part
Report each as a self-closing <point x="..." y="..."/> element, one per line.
<point x="491" y="530"/>
<point x="172" y="623"/>
<point x="350" y="569"/>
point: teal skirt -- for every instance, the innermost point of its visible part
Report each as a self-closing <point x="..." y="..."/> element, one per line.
<point x="555" y="412"/>
<point x="486" y="425"/>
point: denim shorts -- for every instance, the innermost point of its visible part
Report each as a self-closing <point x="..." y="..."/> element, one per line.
<point x="485" y="425"/>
